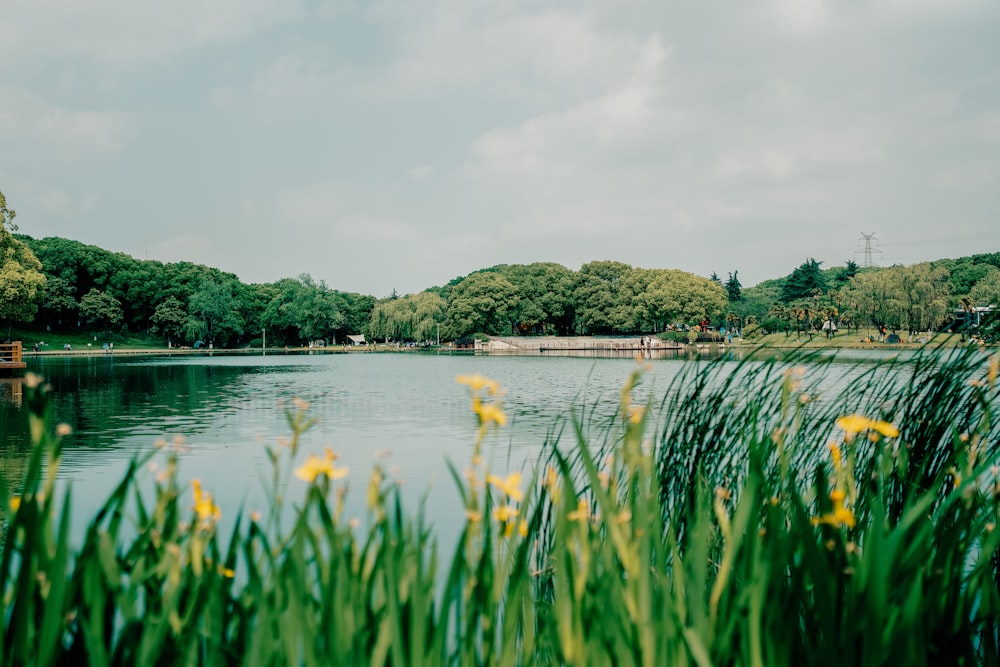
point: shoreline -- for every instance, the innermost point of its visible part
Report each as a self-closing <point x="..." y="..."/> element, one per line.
<point x="817" y="344"/>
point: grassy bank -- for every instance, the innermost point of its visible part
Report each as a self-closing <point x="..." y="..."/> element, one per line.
<point x="755" y="525"/>
<point x="863" y="339"/>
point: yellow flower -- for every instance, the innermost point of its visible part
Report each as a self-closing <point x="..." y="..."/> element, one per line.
<point x="478" y="383"/>
<point x="204" y="506"/>
<point x="581" y="513"/>
<point x="473" y="516"/>
<point x="835" y="455"/>
<point x="511" y="486"/>
<point x="840" y="516"/>
<point x="504" y="513"/>
<point x="551" y="483"/>
<point x="522" y="528"/>
<point x="315" y="466"/>
<point x="854" y="424"/>
<point x="488" y="413"/>
<point x="15" y="503"/>
<point x="635" y="413"/>
<point x="226" y="572"/>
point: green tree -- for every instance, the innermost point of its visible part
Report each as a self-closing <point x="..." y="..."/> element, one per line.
<point x="357" y="309"/>
<point x="101" y="310"/>
<point x="170" y="318"/>
<point x="733" y="287"/>
<point x="21" y="276"/>
<point x="56" y="304"/>
<point x="7" y="215"/>
<point x="911" y="298"/>
<point x="986" y="291"/>
<point x="482" y="302"/>
<point x="666" y="296"/>
<point x="601" y="297"/>
<point x="847" y="272"/>
<point x="415" y="317"/>
<point x="545" y="297"/>
<point x="304" y="310"/>
<point x="214" y="311"/>
<point x="804" y="282"/>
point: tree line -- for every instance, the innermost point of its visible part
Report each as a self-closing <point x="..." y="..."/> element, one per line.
<point x="60" y="284"/>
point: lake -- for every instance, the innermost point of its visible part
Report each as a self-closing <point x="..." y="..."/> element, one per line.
<point x="408" y="405"/>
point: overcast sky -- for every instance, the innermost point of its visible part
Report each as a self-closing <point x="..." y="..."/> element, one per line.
<point x="397" y="144"/>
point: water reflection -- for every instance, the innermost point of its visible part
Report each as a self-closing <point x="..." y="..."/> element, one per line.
<point x="228" y="408"/>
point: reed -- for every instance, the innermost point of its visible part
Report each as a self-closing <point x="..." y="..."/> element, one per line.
<point x="757" y="522"/>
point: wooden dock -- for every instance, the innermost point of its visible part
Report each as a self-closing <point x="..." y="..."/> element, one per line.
<point x="11" y="357"/>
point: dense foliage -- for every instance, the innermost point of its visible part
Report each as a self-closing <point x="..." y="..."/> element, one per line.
<point x="67" y="286"/>
<point x="20" y="271"/>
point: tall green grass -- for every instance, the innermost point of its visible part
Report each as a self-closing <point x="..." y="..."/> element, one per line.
<point x="759" y="522"/>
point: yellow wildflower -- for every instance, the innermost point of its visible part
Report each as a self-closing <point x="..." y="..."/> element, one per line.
<point x="204" y="505"/>
<point x="315" y="466"/>
<point x="473" y="516"/>
<point x="840" y="516"/>
<point x="551" y="477"/>
<point x="511" y="486"/>
<point x="854" y="424"/>
<point x="226" y="572"/>
<point x="835" y="455"/>
<point x="477" y="383"/>
<point x="635" y="413"/>
<point x="551" y="483"/>
<point x="505" y="513"/>
<point x="581" y="513"/>
<point x="15" y="503"/>
<point x="488" y="413"/>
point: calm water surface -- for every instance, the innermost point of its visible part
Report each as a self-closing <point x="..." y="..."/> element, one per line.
<point x="228" y="408"/>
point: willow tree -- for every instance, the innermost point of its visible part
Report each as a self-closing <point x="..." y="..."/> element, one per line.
<point x="912" y="298"/>
<point x="412" y="317"/>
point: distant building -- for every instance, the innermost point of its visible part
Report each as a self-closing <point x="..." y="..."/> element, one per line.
<point x="965" y="319"/>
<point x="357" y="340"/>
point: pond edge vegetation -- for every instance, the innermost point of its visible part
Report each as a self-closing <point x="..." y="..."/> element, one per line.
<point x="752" y="524"/>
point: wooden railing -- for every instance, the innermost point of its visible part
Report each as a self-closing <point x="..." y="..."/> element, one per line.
<point x="10" y="355"/>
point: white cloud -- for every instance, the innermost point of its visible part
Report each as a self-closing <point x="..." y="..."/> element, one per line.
<point x="181" y="248"/>
<point x="478" y="132"/>
<point x="801" y="16"/>
<point x="126" y="35"/>
<point x="32" y="127"/>
<point x="583" y="134"/>
<point x="59" y="202"/>
<point x="421" y="172"/>
<point x="362" y="227"/>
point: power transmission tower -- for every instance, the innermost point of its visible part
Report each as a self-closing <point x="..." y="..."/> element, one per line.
<point x="868" y="239"/>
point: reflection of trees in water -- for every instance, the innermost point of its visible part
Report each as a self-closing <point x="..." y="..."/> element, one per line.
<point x="14" y="446"/>
<point x="106" y="400"/>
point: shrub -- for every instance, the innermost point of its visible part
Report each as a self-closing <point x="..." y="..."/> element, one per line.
<point x="674" y="336"/>
<point x="752" y="331"/>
